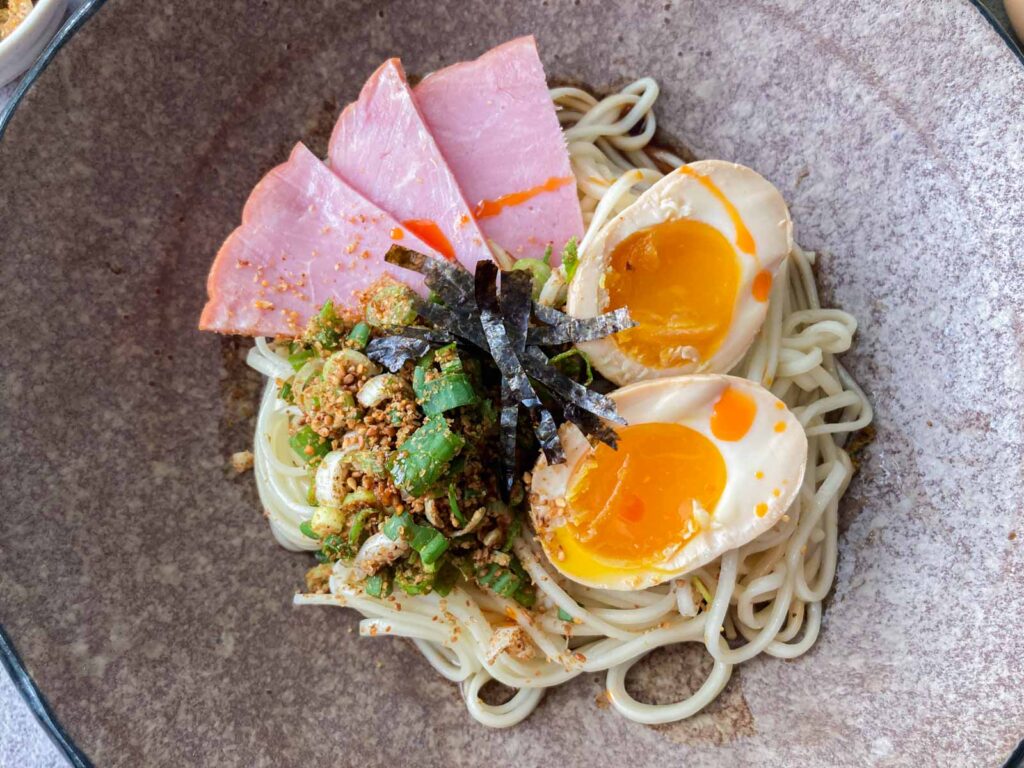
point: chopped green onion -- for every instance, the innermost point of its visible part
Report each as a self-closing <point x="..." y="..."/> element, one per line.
<point x="327" y="520"/>
<point x="446" y="392"/>
<point x="563" y="615"/>
<point x="358" y="523"/>
<point x="513" y="534"/>
<point x="359" y="498"/>
<point x="365" y="461"/>
<point x="517" y="568"/>
<point x="507" y="584"/>
<point x="395" y="524"/>
<point x="327" y="337"/>
<point x="360" y="334"/>
<point x="539" y="270"/>
<point x="306" y="437"/>
<point x="526" y="596"/>
<point x="300" y="357"/>
<point x="454" y="504"/>
<point x="379" y="584"/>
<point x="412" y="586"/>
<point x="547" y="254"/>
<point x="334" y="548"/>
<point x="307" y="530"/>
<point x="447" y="358"/>
<point x="326" y="314"/>
<point x="391" y="304"/>
<point x="493" y="571"/>
<point x="434" y="548"/>
<point x="445" y="579"/>
<point x="348" y="359"/>
<point x="570" y="259"/>
<point x="424" y="457"/>
<point x="429" y="542"/>
<point x="286" y="392"/>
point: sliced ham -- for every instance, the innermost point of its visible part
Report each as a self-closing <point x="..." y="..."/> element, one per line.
<point x="382" y="148"/>
<point x="305" y="237"/>
<point x="496" y="126"/>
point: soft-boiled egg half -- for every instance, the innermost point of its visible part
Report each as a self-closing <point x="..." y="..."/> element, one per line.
<point x="707" y="463"/>
<point x="694" y="259"/>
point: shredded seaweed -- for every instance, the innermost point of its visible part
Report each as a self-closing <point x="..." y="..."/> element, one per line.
<point x="449" y="281"/>
<point x="502" y="320"/>
<point x="506" y="360"/>
<point x="537" y="365"/>
<point x="395" y="351"/>
<point x="590" y="424"/>
<point x="515" y="302"/>
<point x="573" y="330"/>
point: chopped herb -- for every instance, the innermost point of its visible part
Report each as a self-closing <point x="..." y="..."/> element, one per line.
<point x="360" y="335"/>
<point x="379" y="584"/>
<point x="454" y="504"/>
<point x="309" y="445"/>
<point x="424" y="457"/>
<point x="570" y="259"/>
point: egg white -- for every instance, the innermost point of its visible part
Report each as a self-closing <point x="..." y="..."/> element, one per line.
<point x="779" y="457"/>
<point x="680" y="195"/>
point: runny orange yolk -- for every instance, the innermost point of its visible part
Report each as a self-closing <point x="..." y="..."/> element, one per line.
<point x="633" y="506"/>
<point x="679" y="279"/>
<point x="733" y="415"/>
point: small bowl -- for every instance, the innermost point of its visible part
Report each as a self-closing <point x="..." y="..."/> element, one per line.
<point x="19" y="50"/>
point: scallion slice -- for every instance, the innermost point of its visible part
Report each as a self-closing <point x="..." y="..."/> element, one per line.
<point x="358" y="523"/>
<point x="379" y="584"/>
<point x="454" y="504"/>
<point x="446" y="392"/>
<point x="424" y="457"/>
<point x="307" y="438"/>
<point x="360" y="334"/>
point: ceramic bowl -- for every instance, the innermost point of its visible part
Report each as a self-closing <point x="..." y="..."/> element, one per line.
<point x="140" y="583"/>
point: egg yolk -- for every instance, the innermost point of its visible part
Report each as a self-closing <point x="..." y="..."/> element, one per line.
<point x="733" y="415"/>
<point x="679" y="279"/>
<point x="633" y="507"/>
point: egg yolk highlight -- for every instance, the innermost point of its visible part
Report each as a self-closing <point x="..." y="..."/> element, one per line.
<point x="634" y="506"/>
<point x="733" y="415"/>
<point x="680" y="280"/>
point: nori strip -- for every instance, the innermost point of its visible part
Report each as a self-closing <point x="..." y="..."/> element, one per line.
<point x="500" y="325"/>
<point x="449" y="281"/>
<point x="460" y="323"/>
<point x="516" y="290"/>
<point x="509" y="425"/>
<point x="503" y="354"/>
<point x="537" y="365"/>
<point x="394" y="351"/>
<point x="431" y="335"/>
<point x="576" y="329"/>
<point x="590" y="424"/>
<point x="549" y="315"/>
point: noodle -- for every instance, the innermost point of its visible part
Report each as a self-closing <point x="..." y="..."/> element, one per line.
<point x="766" y="596"/>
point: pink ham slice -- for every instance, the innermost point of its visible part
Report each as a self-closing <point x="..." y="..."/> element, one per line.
<point x="382" y="148"/>
<point x="305" y="237"/>
<point x="496" y="126"/>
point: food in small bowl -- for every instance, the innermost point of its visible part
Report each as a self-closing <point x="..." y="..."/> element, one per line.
<point x="25" y="27"/>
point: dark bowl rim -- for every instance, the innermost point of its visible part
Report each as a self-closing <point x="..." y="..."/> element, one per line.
<point x="9" y="657"/>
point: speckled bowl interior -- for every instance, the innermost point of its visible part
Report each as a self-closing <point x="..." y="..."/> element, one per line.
<point x="138" y="579"/>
